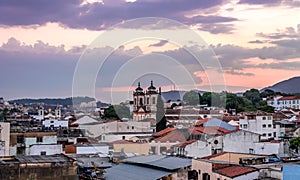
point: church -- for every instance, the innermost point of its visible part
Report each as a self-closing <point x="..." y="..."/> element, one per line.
<point x="144" y="102"/>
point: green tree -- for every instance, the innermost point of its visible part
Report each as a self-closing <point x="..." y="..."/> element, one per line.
<point x="253" y="95"/>
<point x="191" y="98"/>
<point x="161" y="121"/>
<point x="295" y="143"/>
<point x="117" y="112"/>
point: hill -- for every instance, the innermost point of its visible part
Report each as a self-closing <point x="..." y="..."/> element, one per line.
<point x="289" y="86"/>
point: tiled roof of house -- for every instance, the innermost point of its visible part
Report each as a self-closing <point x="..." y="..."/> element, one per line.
<point x="235" y="171"/>
<point x="186" y="143"/>
<point x="173" y="136"/>
<point x="288" y="98"/>
<point x="200" y="122"/>
<point x="209" y="130"/>
<point x="164" y="131"/>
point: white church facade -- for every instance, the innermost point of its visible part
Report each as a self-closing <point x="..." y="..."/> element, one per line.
<point x="144" y="102"/>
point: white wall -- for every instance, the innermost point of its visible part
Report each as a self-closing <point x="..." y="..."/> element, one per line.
<point x="240" y="141"/>
<point x="253" y="175"/>
<point x="50" y="149"/>
<point x="33" y="140"/>
<point x="90" y="149"/>
<point x="5" y="136"/>
<point x="55" y="123"/>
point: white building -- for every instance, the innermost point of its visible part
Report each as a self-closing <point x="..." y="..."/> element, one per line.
<point x="45" y="149"/>
<point x="260" y="123"/>
<point x="144" y="102"/>
<point x="91" y="148"/>
<point x="4" y="138"/>
<point x="116" y="130"/>
<point x="55" y="123"/>
<point x="280" y="102"/>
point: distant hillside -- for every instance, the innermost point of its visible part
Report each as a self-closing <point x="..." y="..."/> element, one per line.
<point x="54" y="101"/>
<point x="290" y="86"/>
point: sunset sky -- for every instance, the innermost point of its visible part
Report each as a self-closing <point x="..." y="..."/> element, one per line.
<point x="257" y="43"/>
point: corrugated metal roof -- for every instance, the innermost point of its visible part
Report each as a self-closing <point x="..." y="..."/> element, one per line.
<point x="219" y="123"/>
<point x="133" y="172"/>
<point x="168" y="163"/>
<point x="171" y="163"/>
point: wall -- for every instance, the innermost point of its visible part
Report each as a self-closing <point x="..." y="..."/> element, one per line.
<point x="141" y="148"/>
<point x="90" y="149"/>
<point x="240" y="141"/>
<point x="50" y="149"/>
<point x="5" y="136"/>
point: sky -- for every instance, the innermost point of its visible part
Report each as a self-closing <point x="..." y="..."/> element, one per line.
<point x="105" y="47"/>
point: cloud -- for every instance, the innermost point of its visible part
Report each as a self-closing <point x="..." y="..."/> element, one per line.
<point x="97" y="16"/>
<point x="257" y="42"/>
<point x="238" y="73"/>
<point x="159" y="44"/>
<point x="260" y="2"/>
<point x="217" y="28"/>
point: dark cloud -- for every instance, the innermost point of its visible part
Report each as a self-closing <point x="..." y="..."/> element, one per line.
<point x="159" y="44"/>
<point x="99" y="16"/>
<point x="263" y="2"/>
<point x="238" y="73"/>
<point x="217" y="28"/>
<point x="257" y="42"/>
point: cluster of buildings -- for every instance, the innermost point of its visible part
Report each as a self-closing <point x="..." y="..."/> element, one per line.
<point x="198" y="143"/>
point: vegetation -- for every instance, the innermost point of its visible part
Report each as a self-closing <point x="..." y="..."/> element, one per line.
<point x="295" y="143"/>
<point x="161" y="121"/>
<point x="250" y="101"/>
<point x="191" y="98"/>
<point x="117" y="112"/>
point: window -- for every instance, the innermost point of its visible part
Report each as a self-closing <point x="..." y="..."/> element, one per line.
<point x="264" y="126"/>
<point x="123" y="137"/>
<point x="141" y="101"/>
<point x="153" y="100"/>
<point x="51" y="122"/>
<point x="269" y="125"/>
<point x="269" y="117"/>
<point x="127" y="127"/>
<point x="39" y="139"/>
<point x="274" y="134"/>
<point x="269" y="134"/>
<point x="264" y="118"/>
<point x="20" y="139"/>
<point x="148" y="100"/>
<point x="245" y="126"/>
<point x="199" y="172"/>
<point x="132" y="127"/>
<point x="43" y="153"/>
<point x="274" y="126"/>
<point x="251" y="151"/>
<point x="264" y="134"/>
<point x="241" y="126"/>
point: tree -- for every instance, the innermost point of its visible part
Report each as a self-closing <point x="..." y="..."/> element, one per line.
<point x="295" y="143"/>
<point x="191" y="98"/>
<point x="161" y="121"/>
<point x="253" y="95"/>
<point x="117" y="112"/>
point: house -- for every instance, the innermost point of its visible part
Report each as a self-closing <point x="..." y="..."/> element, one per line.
<point x="116" y="130"/>
<point x="4" y="138"/>
<point x="221" y="170"/>
<point x="21" y="142"/>
<point x="56" y="123"/>
<point x="259" y="122"/>
<point x="165" y="139"/>
<point x="45" y="149"/>
<point x="280" y="102"/>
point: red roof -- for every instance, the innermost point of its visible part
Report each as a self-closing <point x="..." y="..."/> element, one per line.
<point x="164" y="131"/>
<point x="209" y="130"/>
<point x="234" y="171"/>
<point x="173" y="136"/>
<point x="288" y="98"/>
<point x="214" y="155"/>
<point x="186" y="143"/>
<point x="200" y="122"/>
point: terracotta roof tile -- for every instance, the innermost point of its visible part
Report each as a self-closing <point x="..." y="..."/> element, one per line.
<point x="164" y="131"/>
<point x="234" y="171"/>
